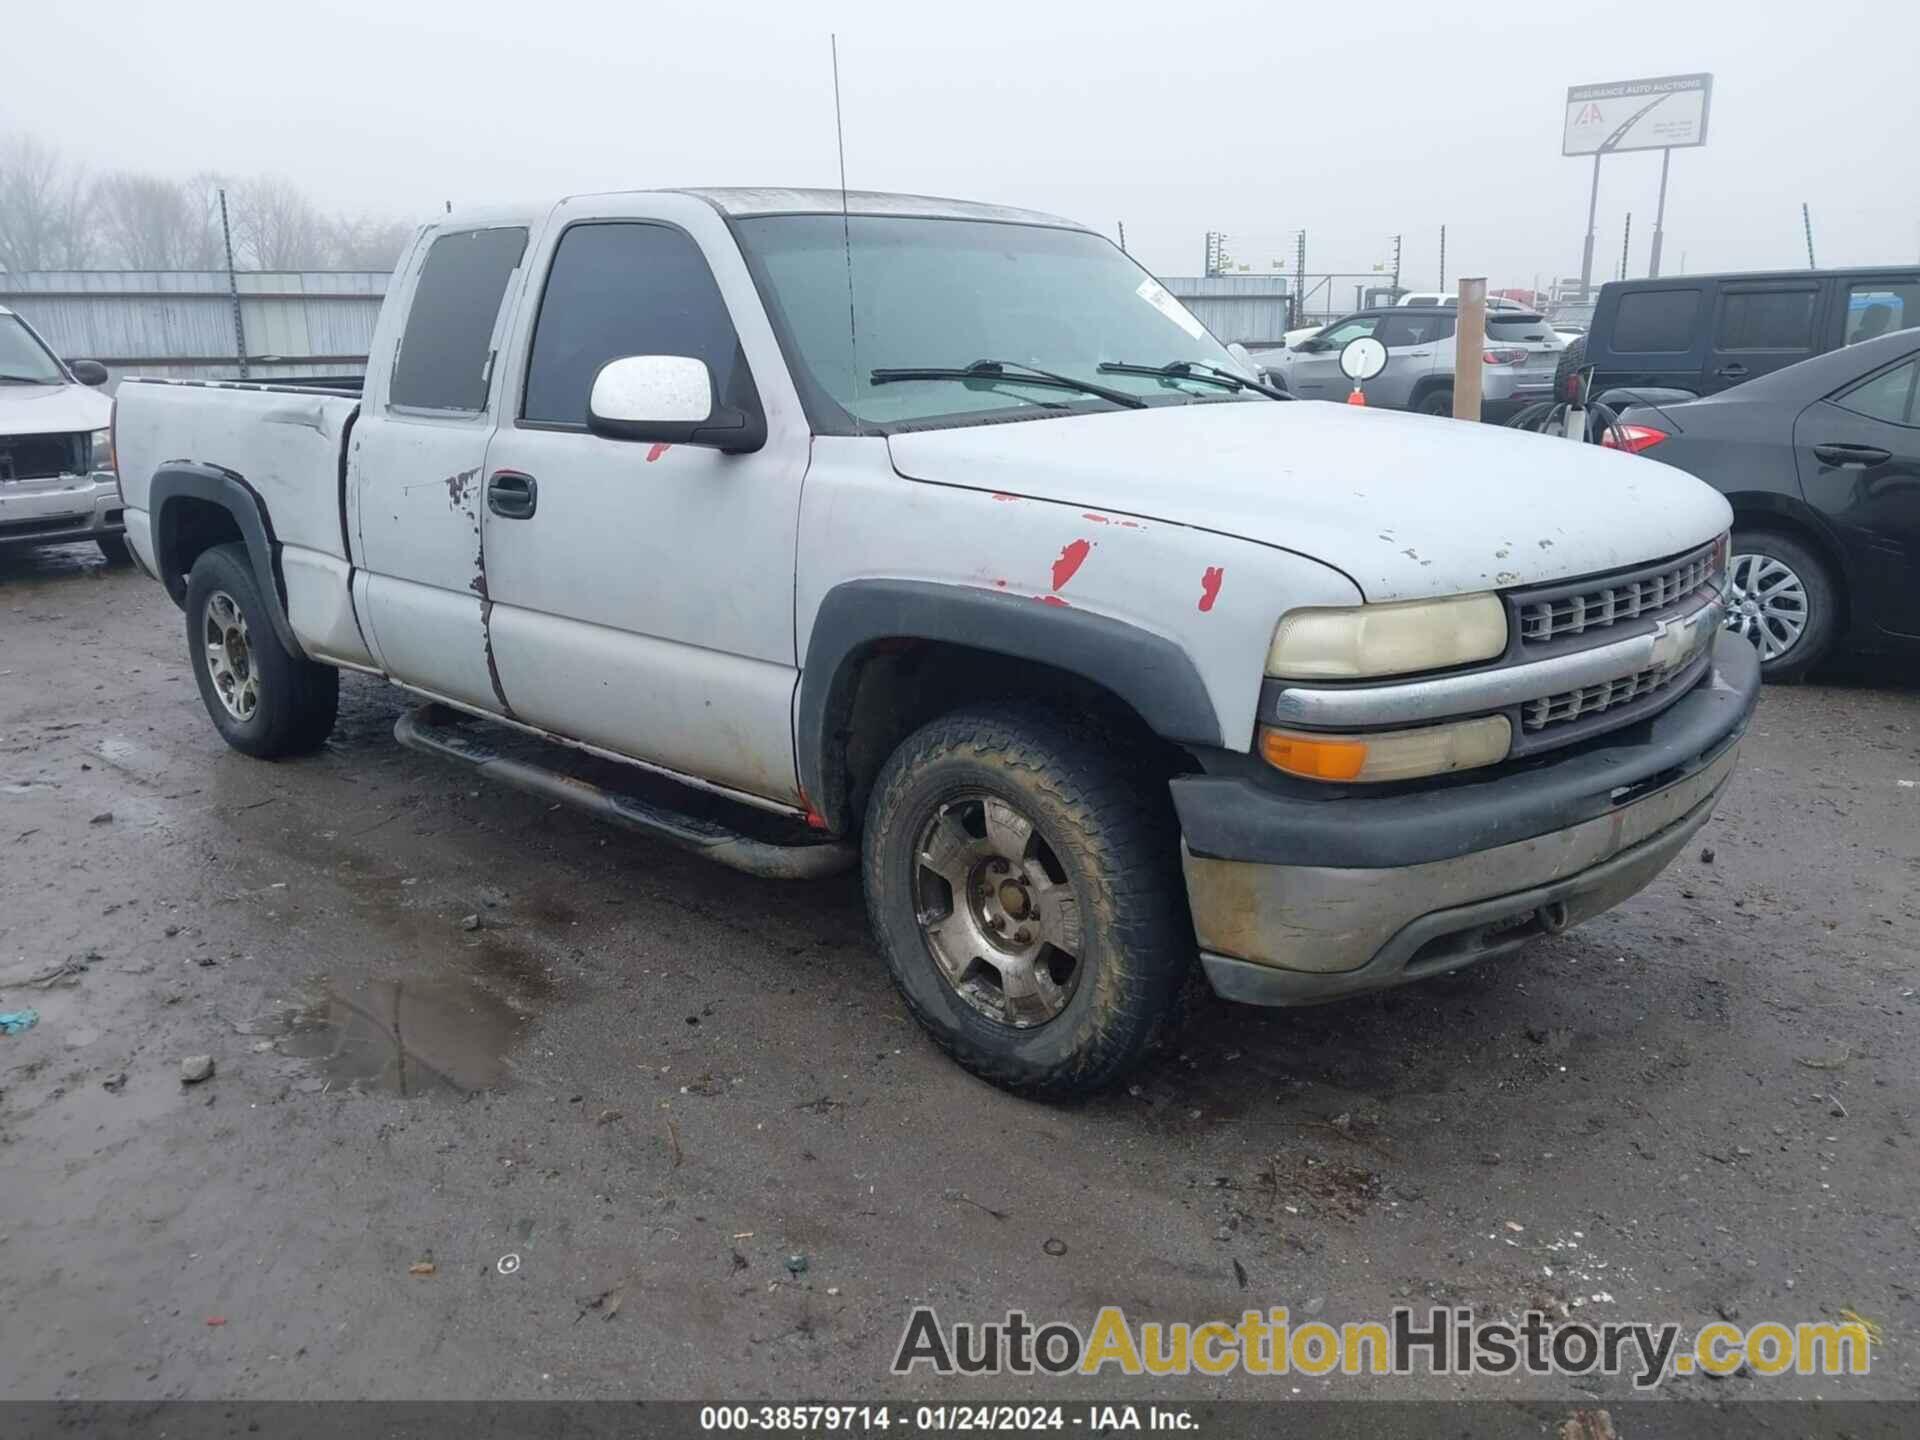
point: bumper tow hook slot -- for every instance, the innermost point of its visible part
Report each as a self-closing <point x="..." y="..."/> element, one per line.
<point x="1553" y="918"/>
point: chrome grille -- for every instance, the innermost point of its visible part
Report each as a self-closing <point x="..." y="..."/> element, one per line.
<point x="1550" y="710"/>
<point x="1600" y="604"/>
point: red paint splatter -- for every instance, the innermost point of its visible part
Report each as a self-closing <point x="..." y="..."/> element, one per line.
<point x="999" y="496"/>
<point x="216" y="1320"/>
<point x="1059" y="600"/>
<point x="1072" y="557"/>
<point x="654" y="452"/>
<point x="999" y="584"/>
<point x="1109" y="520"/>
<point x="1210" y="586"/>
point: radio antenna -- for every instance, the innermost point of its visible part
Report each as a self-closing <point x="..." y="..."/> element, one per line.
<point x="846" y="240"/>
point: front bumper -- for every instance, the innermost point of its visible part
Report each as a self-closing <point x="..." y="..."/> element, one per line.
<point x="47" y="512"/>
<point x="1298" y="899"/>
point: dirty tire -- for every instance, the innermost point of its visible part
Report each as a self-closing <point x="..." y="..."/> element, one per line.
<point x="298" y="699"/>
<point x="1437" y="401"/>
<point x="1115" y="838"/>
<point x="114" y="548"/>
<point x="1823" y="602"/>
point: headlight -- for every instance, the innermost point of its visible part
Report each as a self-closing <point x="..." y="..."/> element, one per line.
<point x="1362" y="640"/>
<point x="1390" y="754"/>
<point x="102" y="450"/>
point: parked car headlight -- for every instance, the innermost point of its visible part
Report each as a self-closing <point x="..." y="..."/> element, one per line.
<point x="1357" y="641"/>
<point x="101" y="451"/>
<point x="1390" y="754"/>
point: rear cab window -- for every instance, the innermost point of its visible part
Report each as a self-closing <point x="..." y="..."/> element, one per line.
<point x="446" y="350"/>
<point x="1656" y="322"/>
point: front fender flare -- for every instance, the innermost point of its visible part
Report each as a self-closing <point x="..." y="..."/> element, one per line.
<point x="190" y="480"/>
<point x="1148" y="671"/>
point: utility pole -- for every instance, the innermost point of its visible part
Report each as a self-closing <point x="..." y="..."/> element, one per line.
<point x="1586" y="255"/>
<point x="1299" y="276"/>
<point x="233" y="289"/>
<point x="1660" y="215"/>
<point x="1443" y="260"/>
<point x="1626" y="239"/>
<point x="1806" y="219"/>
<point x="1396" y="269"/>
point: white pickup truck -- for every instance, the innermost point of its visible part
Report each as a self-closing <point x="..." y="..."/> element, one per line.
<point x="940" y="539"/>
<point x="56" y="462"/>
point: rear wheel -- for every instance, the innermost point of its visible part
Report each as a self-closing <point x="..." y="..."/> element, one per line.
<point x="114" y="548"/>
<point x="1438" y="401"/>
<point x="1783" y="599"/>
<point x="1025" y="890"/>
<point x="264" y="700"/>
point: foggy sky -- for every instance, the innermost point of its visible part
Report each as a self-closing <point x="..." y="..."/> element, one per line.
<point x="1352" y="121"/>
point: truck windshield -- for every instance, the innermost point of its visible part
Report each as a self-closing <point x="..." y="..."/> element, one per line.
<point x="942" y="294"/>
<point x="23" y="359"/>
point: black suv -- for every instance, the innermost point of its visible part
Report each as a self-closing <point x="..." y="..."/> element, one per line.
<point x="1705" y="333"/>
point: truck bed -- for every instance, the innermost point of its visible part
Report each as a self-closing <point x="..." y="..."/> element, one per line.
<point x="287" y="445"/>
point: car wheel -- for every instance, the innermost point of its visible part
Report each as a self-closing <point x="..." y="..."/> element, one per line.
<point x="264" y="700"/>
<point x="1025" y="889"/>
<point x="1782" y="599"/>
<point x="1438" y="401"/>
<point x="114" y="548"/>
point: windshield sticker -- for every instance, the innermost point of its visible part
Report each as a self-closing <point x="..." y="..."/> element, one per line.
<point x="1156" y="295"/>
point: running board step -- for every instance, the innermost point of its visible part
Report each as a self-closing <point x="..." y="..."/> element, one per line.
<point x="727" y="831"/>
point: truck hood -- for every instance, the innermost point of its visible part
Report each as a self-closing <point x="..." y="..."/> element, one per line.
<point x="52" y="409"/>
<point x="1408" y="506"/>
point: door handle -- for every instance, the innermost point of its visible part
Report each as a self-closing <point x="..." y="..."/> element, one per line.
<point x="1852" y="454"/>
<point x="1734" y="371"/>
<point x="512" y="496"/>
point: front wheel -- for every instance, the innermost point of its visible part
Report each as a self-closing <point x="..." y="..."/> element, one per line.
<point x="1783" y="600"/>
<point x="1025" y="891"/>
<point x="265" y="700"/>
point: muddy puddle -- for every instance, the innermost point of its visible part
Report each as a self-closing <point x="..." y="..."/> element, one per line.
<point x="413" y="1037"/>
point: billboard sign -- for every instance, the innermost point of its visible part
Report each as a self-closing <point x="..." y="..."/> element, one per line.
<point x="1665" y="112"/>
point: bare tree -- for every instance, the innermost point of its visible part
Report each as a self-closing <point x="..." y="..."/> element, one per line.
<point x="365" y="242"/>
<point x="275" y="226"/>
<point x="43" y="208"/>
<point x="149" y="223"/>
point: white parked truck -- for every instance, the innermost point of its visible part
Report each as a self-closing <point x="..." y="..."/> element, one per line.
<point x="56" y="460"/>
<point x="940" y="539"/>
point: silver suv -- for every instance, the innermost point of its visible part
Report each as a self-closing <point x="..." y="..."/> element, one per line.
<point x="1521" y="353"/>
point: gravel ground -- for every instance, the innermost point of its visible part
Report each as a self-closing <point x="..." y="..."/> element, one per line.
<point x="453" y="1025"/>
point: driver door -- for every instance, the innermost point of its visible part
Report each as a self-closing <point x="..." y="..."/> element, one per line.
<point x="643" y="592"/>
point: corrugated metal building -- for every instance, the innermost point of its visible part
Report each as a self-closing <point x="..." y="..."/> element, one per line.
<point x="179" y="323"/>
<point x="1252" y="309"/>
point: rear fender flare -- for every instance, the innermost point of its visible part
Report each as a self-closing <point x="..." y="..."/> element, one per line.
<point x="1149" y="672"/>
<point x="191" y="480"/>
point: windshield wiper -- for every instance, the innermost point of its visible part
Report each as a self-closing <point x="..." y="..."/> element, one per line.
<point x="1193" y="370"/>
<point x="25" y="380"/>
<point x="1010" y="371"/>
